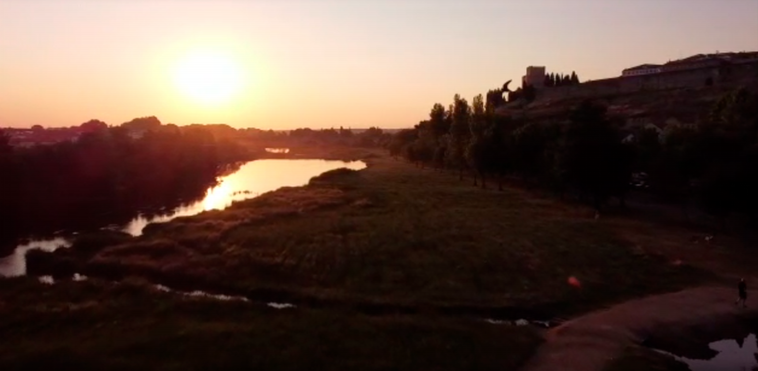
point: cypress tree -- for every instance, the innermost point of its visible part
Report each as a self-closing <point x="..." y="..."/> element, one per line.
<point x="574" y="78"/>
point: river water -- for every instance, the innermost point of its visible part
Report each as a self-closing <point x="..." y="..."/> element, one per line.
<point x="732" y="355"/>
<point x="251" y="180"/>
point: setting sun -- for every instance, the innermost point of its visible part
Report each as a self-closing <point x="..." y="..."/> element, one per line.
<point x="208" y="77"/>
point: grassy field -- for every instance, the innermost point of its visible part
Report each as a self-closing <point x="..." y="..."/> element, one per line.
<point x="398" y="235"/>
<point x="129" y="326"/>
<point x="392" y="267"/>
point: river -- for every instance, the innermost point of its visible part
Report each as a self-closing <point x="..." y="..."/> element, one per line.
<point x="251" y="180"/>
<point x="731" y="355"/>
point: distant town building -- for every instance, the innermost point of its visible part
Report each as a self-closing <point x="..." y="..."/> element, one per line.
<point x="643" y="69"/>
<point x="694" y="62"/>
<point x="535" y="76"/>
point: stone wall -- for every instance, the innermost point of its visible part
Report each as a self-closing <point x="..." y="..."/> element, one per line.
<point x="736" y="74"/>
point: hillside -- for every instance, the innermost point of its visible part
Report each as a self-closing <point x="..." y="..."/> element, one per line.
<point x="684" y="94"/>
<point x="686" y="105"/>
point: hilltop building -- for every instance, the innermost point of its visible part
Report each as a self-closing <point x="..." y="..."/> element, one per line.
<point x="643" y="69"/>
<point x="714" y="72"/>
<point x="699" y="61"/>
<point x="535" y="76"/>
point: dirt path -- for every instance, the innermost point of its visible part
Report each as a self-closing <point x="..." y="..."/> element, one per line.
<point x="589" y="342"/>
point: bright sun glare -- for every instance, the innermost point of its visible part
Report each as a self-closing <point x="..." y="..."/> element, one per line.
<point x="208" y="77"/>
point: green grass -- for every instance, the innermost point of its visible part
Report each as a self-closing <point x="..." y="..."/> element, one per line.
<point x="128" y="326"/>
<point x="396" y="234"/>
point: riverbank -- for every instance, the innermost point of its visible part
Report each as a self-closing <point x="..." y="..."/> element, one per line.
<point x="384" y="243"/>
<point x="683" y="322"/>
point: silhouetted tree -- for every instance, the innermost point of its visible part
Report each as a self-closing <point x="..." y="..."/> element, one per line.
<point x="594" y="161"/>
<point x="401" y="140"/>
<point x="476" y="150"/>
<point x="143" y="123"/>
<point x="439" y="125"/>
<point x="725" y="151"/>
<point x="345" y="133"/>
<point x="495" y="99"/>
<point x="574" y="78"/>
<point x="107" y="172"/>
<point x="500" y="157"/>
<point x="713" y="163"/>
<point x="459" y="135"/>
<point x="93" y="125"/>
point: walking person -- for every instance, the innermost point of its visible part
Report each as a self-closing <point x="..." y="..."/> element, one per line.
<point x="742" y="288"/>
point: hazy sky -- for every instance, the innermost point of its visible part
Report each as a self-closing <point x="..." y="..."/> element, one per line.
<point x="323" y="63"/>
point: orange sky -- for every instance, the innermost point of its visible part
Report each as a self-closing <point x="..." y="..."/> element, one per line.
<point x="324" y="63"/>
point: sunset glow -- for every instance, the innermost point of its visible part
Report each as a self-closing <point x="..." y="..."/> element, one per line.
<point x="208" y="77"/>
<point x="322" y="64"/>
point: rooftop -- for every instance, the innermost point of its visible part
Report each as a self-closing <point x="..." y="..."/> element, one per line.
<point x="643" y="66"/>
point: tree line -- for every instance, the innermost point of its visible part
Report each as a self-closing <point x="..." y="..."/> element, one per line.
<point x="587" y="154"/>
<point x="553" y="80"/>
<point x="109" y="174"/>
<point x="371" y="137"/>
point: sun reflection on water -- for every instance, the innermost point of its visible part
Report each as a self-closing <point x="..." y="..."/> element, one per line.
<point x="218" y="197"/>
<point x="252" y="179"/>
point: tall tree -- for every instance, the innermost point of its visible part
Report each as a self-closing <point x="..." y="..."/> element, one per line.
<point x="499" y="155"/>
<point x="494" y="99"/>
<point x="459" y="135"/>
<point x="437" y="120"/>
<point x="529" y="150"/>
<point x="594" y="160"/>
<point x="477" y="145"/>
<point x="401" y="140"/>
<point x="574" y="78"/>
<point x="727" y="150"/>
